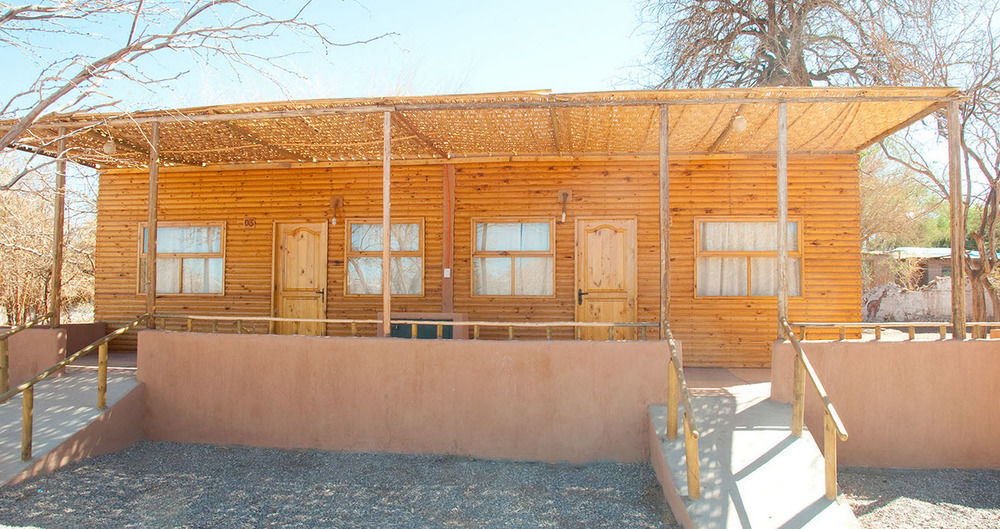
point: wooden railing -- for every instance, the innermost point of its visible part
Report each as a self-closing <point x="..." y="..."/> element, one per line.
<point x="239" y="324"/>
<point x="833" y="428"/>
<point x="677" y="390"/>
<point x="28" y="388"/>
<point x="4" y="350"/>
<point x="978" y="329"/>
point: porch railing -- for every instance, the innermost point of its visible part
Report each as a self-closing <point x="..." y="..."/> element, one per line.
<point x="978" y="329"/>
<point x="833" y="427"/>
<point x="27" y="389"/>
<point x="4" y="349"/>
<point x="677" y="390"/>
<point x="239" y="324"/>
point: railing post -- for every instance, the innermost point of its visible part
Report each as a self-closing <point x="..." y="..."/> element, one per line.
<point x="27" y="411"/>
<point x="611" y="333"/>
<point x="510" y="332"/>
<point x="642" y="332"/>
<point x="4" y="367"/>
<point x="911" y="332"/>
<point x="798" y="397"/>
<point x="943" y="331"/>
<point x="190" y="324"/>
<point x="413" y="331"/>
<point x="673" y="399"/>
<point x="548" y="333"/>
<point x="440" y="331"/>
<point x="354" y="329"/>
<point x="691" y="460"/>
<point x="830" y="455"/>
<point x="102" y="376"/>
<point x="475" y="332"/>
<point x="878" y="333"/>
<point x="843" y="333"/>
<point x="239" y="326"/>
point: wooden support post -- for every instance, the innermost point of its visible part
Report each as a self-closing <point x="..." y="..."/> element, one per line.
<point x="782" y="215"/>
<point x="957" y="208"/>
<point x="830" y="455"/>
<point x="102" y="376"/>
<point x="386" y="225"/>
<point x="27" y="415"/>
<point x="58" y="228"/>
<point x="798" y="397"/>
<point x="448" y="240"/>
<point x="673" y="400"/>
<point x="154" y="177"/>
<point x="691" y="460"/>
<point x="4" y="367"/>
<point x="664" y="155"/>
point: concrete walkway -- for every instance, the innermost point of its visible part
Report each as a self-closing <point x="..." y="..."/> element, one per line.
<point x="63" y="405"/>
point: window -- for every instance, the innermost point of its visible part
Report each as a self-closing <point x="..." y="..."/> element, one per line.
<point x="364" y="257"/>
<point x="189" y="258"/>
<point x="513" y="258"/>
<point x="739" y="258"/>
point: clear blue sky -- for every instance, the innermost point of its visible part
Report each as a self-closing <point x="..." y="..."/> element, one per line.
<point x="439" y="46"/>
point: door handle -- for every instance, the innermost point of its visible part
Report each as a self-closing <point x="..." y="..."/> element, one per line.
<point x="321" y="291"/>
<point x="579" y="296"/>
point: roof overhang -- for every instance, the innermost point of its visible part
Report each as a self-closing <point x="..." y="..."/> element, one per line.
<point x="498" y="125"/>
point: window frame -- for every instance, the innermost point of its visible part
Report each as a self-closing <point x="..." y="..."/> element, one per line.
<point x="748" y="254"/>
<point x="474" y="253"/>
<point x="349" y="253"/>
<point x="221" y="254"/>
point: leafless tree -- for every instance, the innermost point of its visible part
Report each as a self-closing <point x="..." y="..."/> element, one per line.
<point x="739" y="43"/>
<point x="110" y="41"/>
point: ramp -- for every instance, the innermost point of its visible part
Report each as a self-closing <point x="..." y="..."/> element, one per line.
<point x="65" y="408"/>
<point x="754" y="473"/>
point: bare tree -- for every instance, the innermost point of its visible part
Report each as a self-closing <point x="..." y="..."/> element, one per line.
<point x="895" y="207"/>
<point x="111" y="41"/>
<point x="738" y="43"/>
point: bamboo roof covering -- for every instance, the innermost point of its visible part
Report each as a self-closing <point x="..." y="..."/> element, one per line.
<point x="509" y="124"/>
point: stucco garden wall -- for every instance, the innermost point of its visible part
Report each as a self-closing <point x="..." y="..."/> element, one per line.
<point x="909" y="404"/>
<point x="526" y="400"/>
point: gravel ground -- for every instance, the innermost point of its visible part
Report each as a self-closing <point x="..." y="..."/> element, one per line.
<point x="182" y="485"/>
<point x="923" y="499"/>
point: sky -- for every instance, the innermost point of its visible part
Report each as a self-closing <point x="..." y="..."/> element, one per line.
<point x="432" y="47"/>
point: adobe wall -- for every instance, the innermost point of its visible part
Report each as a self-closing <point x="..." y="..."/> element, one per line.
<point x="33" y="350"/>
<point x="524" y="400"/>
<point x="911" y="404"/>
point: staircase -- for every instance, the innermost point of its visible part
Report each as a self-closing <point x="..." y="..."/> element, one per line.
<point x="754" y="472"/>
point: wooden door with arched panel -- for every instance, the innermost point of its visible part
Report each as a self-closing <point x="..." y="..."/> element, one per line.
<point x="605" y="275"/>
<point x="300" y="252"/>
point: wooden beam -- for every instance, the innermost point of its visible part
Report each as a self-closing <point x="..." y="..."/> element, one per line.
<point x="247" y="135"/>
<point x="554" y="123"/>
<point x="386" y="225"/>
<point x="408" y="125"/>
<point x="58" y="227"/>
<point x="782" y="185"/>
<point x="664" y="155"/>
<point x="154" y="177"/>
<point x="135" y="147"/>
<point x="448" y="240"/>
<point x="957" y="209"/>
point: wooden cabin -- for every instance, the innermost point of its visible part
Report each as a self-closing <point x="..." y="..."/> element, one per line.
<point x="511" y="207"/>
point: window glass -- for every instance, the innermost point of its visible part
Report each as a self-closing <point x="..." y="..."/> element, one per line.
<point x="764" y="279"/>
<point x="745" y="236"/>
<point x="722" y="276"/>
<point x="188" y="261"/>
<point x="364" y="260"/>
<point x="185" y="239"/>
<point x="492" y="276"/>
<point x="512" y="236"/>
<point x="533" y="276"/>
<point x="723" y="271"/>
<point x="513" y="259"/>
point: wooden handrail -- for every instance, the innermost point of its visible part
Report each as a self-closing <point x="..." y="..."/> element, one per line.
<point x="4" y="349"/>
<point x="453" y="323"/>
<point x="909" y="326"/>
<point x="677" y="390"/>
<point x="833" y="427"/>
<point x="28" y="387"/>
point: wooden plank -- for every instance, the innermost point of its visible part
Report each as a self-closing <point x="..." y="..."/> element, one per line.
<point x="957" y="211"/>
<point x="782" y="191"/>
<point x="151" y="212"/>
<point x="58" y="228"/>
<point x="448" y="239"/>
<point x="386" y="224"/>
<point x="664" y="200"/>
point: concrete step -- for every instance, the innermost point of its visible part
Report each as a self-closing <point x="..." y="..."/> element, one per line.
<point x="64" y="406"/>
<point x="754" y="473"/>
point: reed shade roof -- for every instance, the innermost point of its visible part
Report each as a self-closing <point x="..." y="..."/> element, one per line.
<point x="820" y="120"/>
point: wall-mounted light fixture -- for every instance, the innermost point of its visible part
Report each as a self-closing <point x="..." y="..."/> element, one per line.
<point x="336" y="205"/>
<point x="110" y="147"/>
<point x="565" y="195"/>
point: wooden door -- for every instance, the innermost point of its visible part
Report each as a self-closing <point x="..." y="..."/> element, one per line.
<point x="605" y="275"/>
<point x="300" y="276"/>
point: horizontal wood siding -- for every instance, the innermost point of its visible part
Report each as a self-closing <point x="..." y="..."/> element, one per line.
<point x="823" y="192"/>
